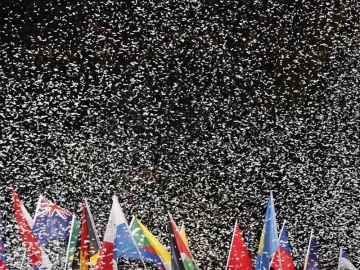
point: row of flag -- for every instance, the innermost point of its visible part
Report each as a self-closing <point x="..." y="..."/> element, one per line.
<point x="135" y="241"/>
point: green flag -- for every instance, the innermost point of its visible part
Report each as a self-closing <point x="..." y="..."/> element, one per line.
<point x="74" y="233"/>
<point x="147" y="251"/>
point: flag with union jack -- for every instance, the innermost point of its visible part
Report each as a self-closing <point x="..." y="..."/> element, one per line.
<point x="51" y="222"/>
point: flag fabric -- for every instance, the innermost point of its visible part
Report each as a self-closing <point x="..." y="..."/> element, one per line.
<point x="25" y="223"/>
<point x="81" y="258"/>
<point x="239" y="258"/>
<point x="74" y="234"/>
<point x="312" y="261"/>
<point x="51" y="222"/>
<point x="159" y="248"/>
<point x="344" y="262"/>
<point x="183" y="235"/>
<point x="176" y="259"/>
<point x="283" y="253"/>
<point x="118" y="242"/>
<point x="2" y="249"/>
<point x="3" y="266"/>
<point x="268" y="241"/>
<point x="148" y="253"/>
<point x="87" y="247"/>
<point x="181" y="258"/>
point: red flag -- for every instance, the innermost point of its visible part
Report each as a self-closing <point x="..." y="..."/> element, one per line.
<point x="31" y="243"/>
<point x="286" y="259"/>
<point x="3" y="266"/>
<point x="239" y="256"/>
<point x="283" y="253"/>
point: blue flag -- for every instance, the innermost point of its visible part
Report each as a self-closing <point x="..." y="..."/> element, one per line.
<point x="51" y="222"/>
<point x="2" y="249"/>
<point x="312" y="261"/>
<point x="268" y="242"/>
<point x="283" y="241"/>
<point x="344" y="262"/>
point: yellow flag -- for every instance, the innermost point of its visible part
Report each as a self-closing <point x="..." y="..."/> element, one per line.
<point x="261" y="242"/>
<point x="159" y="248"/>
<point x="183" y="235"/>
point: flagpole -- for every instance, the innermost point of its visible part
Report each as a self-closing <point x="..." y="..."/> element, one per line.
<point x="36" y="212"/>
<point x="232" y="241"/>
<point x="339" y="258"/>
<point x="308" y="251"/>
<point x="37" y="208"/>
<point x="68" y="247"/>
<point x="275" y="225"/>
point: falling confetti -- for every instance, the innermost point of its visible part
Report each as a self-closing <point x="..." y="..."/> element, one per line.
<point x="199" y="108"/>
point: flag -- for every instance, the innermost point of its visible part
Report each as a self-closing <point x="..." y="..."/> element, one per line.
<point x="283" y="253"/>
<point x="81" y="258"/>
<point x="87" y="247"/>
<point x="159" y="248"/>
<point x="118" y="242"/>
<point x="2" y="249"/>
<point x="181" y="258"/>
<point x="148" y="253"/>
<point x="183" y="235"/>
<point x="312" y="261"/>
<point x="3" y="266"/>
<point x="268" y="241"/>
<point x="51" y="222"/>
<point x="344" y="262"/>
<point x="74" y="234"/>
<point x="25" y="223"/>
<point x="238" y="256"/>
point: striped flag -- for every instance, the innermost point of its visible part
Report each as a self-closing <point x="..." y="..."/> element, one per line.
<point x="88" y="246"/>
<point x="74" y="234"/>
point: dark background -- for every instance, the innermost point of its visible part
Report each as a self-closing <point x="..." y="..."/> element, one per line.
<point x="199" y="108"/>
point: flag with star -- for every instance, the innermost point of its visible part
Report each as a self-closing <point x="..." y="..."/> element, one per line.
<point x="51" y="222"/>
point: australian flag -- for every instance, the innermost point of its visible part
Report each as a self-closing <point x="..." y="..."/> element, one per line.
<point x="51" y="222"/>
